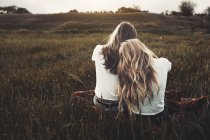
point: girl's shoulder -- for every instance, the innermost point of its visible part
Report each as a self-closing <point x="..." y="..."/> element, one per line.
<point x="164" y="62"/>
<point x="99" y="47"/>
<point x="97" y="52"/>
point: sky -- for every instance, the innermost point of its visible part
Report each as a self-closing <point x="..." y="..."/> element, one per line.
<point x="59" y="6"/>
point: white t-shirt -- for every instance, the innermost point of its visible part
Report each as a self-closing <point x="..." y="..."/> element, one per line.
<point x="106" y="83"/>
<point x="162" y="66"/>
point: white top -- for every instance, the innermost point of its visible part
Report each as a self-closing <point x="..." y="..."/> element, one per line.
<point x="162" y="66"/>
<point x="106" y="83"/>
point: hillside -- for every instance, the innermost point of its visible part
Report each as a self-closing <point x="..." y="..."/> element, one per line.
<point x="86" y="23"/>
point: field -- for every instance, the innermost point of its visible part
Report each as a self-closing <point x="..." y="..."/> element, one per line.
<point x="45" y="58"/>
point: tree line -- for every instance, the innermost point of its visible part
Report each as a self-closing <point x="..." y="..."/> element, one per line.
<point x="133" y="9"/>
<point x="13" y="10"/>
<point x="187" y="8"/>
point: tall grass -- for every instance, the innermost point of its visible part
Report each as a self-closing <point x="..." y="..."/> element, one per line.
<point x="41" y="69"/>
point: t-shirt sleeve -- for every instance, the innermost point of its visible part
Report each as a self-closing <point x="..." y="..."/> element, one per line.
<point x="96" y="52"/>
<point x="94" y="55"/>
<point x="167" y="64"/>
<point x="170" y="65"/>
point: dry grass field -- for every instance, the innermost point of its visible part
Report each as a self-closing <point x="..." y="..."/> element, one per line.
<point x="45" y="58"/>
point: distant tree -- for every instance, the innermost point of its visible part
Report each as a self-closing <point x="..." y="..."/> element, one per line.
<point x="10" y="9"/>
<point x="128" y="10"/>
<point x="145" y="11"/>
<point x="187" y="8"/>
<point x="22" y="11"/>
<point x="175" y="13"/>
<point x="14" y="10"/>
<point x="110" y="12"/>
<point x="207" y="11"/>
<point x="73" y="11"/>
<point x="106" y="12"/>
<point x="166" y="12"/>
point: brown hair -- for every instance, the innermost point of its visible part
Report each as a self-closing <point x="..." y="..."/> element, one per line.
<point x="137" y="78"/>
<point x="122" y="32"/>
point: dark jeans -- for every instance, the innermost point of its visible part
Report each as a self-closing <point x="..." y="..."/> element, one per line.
<point x="112" y="108"/>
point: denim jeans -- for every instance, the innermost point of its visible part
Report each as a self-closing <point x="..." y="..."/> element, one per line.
<point x="113" y="109"/>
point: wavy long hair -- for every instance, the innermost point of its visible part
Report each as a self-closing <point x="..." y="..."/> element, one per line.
<point x="137" y="77"/>
<point x="122" y="32"/>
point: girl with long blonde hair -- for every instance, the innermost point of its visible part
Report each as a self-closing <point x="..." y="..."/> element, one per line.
<point x="142" y="78"/>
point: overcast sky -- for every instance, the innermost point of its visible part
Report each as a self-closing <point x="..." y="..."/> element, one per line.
<point x="56" y="6"/>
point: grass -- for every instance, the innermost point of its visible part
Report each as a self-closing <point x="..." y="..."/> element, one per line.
<point x="45" y="58"/>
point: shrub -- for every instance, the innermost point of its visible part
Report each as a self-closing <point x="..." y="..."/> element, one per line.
<point x="187" y="8"/>
<point x="207" y="11"/>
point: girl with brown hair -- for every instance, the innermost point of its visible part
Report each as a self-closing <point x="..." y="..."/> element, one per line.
<point x="106" y="58"/>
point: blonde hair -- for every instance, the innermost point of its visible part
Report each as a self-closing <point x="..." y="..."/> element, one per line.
<point x="122" y="32"/>
<point x="136" y="74"/>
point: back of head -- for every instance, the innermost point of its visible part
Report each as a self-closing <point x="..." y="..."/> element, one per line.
<point x="122" y="32"/>
<point x="136" y="74"/>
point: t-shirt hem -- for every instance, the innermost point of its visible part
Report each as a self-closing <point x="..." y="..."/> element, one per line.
<point x="152" y="113"/>
<point x="111" y="99"/>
